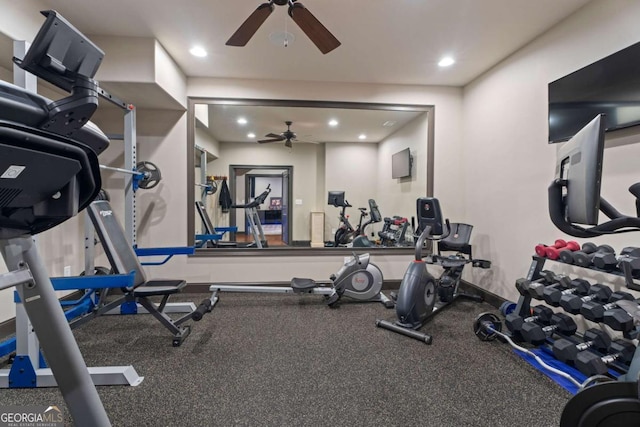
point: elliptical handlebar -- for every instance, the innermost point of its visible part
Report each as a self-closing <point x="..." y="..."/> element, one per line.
<point x="618" y="222"/>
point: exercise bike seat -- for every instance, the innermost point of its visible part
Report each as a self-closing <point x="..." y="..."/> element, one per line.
<point x="300" y="285"/>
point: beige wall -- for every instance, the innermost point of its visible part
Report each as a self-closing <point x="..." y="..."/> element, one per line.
<point x="171" y="194"/>
<point x="398" y="196"/>
<point x="349" y="167"/>
<point x="507" y="160"/>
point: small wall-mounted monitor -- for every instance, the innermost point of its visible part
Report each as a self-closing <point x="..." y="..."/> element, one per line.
<point x="401" y="164"/>
<point x="336" y="198"/>
<point x="579" y="162"/>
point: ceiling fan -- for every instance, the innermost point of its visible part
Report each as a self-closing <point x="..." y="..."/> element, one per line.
<point x="318" y="33"/>
<point x="286" y="136"/>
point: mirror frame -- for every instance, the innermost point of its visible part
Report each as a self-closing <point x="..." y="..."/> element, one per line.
<point x="293" y="251"/>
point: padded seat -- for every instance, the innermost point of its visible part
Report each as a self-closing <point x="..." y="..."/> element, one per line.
<point x="302" y="285"/>
<point x="159" y="287"/>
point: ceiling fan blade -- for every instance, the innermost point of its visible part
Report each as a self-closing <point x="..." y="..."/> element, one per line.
<point x="264" y="141"/>
<point x="317" y="33"/>
<point x="249" y="27"/>
<point x="275" y="135"/>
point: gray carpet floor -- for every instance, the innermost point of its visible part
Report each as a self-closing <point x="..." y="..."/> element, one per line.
<point x="286" y="360"/>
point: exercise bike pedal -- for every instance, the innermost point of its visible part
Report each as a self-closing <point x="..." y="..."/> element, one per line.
<point x="390" y="303"/>
<point x="393" y="296"/>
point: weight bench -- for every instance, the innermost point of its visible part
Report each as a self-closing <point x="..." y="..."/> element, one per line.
<point x="213" y="235"/>
<point x="123" y="260"/>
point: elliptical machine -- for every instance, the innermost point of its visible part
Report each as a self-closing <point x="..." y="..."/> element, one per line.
<point x="421" y="295"/>
<point x="358" y="279"/>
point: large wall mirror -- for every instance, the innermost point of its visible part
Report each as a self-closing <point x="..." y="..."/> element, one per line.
<point x="270" y="176"/>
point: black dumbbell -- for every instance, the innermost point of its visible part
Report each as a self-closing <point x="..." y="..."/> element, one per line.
<point x="535" y="288"/>
<point x="553" y="293"/>
<point x="609" y="261"/>
<point x="573" y="303"/>
<point x="584" y="257"/>
<point x="594" y="311"/>
<point x="591" y="364"/>
<point x="632" y="262"/>
<point x="622" y="318"/>
<point x="541" y="314"/>
<point x="537" y="334"/>
<point x="566" y="351"/>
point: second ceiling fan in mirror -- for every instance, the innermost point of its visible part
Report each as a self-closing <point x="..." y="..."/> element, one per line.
<point x="288" y="136"/>
<point x="309" y="24"/>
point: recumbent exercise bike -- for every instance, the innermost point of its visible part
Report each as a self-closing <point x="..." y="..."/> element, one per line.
<point x="421" y="295"/>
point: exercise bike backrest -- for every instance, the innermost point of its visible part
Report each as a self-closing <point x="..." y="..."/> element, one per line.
<point x="430" y="223"/>
<point x="374" y="216"/>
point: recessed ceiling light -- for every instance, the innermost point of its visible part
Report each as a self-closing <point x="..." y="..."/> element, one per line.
<point x="362" y="136"/>
<point x="446" y="61"/>
<point x="198" y="51"/>
<point x="389" y="123"/>
<point x="333" y="123"/>
<point x="242" y="121"/>
<point x="251" y="135"/>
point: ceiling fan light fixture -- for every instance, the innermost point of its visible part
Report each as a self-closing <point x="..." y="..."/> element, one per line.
<point x="282" y="38"/>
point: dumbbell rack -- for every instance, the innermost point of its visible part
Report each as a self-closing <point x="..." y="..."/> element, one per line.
<point x="523" y="309"/>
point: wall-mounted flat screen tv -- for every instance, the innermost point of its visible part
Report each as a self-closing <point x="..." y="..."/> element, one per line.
<point x="401" y="164"/>
<point x="610" y="86"/>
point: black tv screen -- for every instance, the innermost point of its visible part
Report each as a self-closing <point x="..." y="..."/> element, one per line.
<point x="610" y="86"/>
<point x="401" y="164"/>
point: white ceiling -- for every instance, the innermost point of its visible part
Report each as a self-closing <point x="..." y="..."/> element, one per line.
<point x="383" y="41"/>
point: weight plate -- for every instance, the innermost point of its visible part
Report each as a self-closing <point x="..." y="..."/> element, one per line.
<point x="482" y="324"/>
<point x="507" y="307"/>
<point x="152" y="175"/>
<point x="609" y="404"/>
<point x="212" y="188"/>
